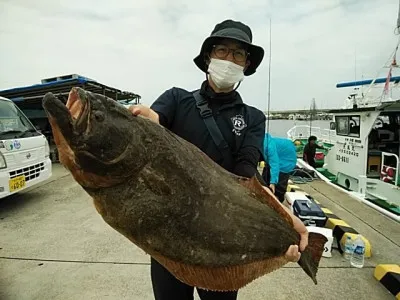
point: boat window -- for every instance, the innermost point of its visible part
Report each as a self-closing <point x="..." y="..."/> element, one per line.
<point x="348" y="126"/>
<point x="387" y="131"/>
<point x="354" y="128"/>
<point x="342" y="125"/>
<point x="381" y="122"/>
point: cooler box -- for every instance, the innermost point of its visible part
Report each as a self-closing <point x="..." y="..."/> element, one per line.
<point x="309" y="212"/>
<point x="291" y="197"/>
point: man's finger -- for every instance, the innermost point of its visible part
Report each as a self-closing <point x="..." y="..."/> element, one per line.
<point x="298" y="256"/>
<point x="293" y="253"/>
<point x="296" y="253"/>
<point x="135" y="110"/>
<point x="295" y="250"/>
<point x="303" y="241"/>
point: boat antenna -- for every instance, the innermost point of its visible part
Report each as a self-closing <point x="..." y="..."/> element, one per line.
<point x="390" y="63"/>
<point x="269" y="87"/>
<point x="397" y="29"/>
<point x="312" y="111"/>
<point x="355" y="63"/>
<point x="310" y="116"/>
<point x="269" y="74"/>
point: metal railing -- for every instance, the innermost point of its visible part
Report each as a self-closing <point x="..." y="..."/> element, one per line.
<point x="386" y="173"/>
<point x="304" y="131"/>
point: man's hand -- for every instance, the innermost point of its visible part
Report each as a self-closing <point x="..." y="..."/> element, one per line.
<point x="293" y="253"/>
<point x="272" y="187"/>
<point x="144" y="111"/>
<point x="299" y="226"/>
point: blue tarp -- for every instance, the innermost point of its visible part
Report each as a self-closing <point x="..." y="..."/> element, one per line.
<point x="80" y="80"/>
<point x="33" y="94"/>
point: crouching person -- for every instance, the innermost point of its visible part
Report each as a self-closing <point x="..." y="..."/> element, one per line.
<point x="281" y="158"/>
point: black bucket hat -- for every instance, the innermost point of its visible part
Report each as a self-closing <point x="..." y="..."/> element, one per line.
<point x="238" y="31"/>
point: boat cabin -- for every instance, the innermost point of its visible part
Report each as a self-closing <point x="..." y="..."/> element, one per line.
<point x="367" y="143"/>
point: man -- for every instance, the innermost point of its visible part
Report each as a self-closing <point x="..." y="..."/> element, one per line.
<point x="225" y="57"/>
<point x="281" y="158"/>
<point x="310" y="149"/>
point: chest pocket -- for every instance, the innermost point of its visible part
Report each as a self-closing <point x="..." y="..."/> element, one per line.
<point x="236" y="123"/>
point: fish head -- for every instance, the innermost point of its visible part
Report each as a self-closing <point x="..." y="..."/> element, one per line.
<point x="94" y="137"/>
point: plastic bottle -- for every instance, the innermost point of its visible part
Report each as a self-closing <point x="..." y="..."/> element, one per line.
<point x="357" y="258"/>
<point x="348" y="248"/>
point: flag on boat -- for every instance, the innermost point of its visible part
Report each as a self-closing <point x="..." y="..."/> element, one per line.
<point x="389" y="76"/>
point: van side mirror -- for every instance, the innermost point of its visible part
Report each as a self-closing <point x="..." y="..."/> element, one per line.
<point x="332" y="125"/>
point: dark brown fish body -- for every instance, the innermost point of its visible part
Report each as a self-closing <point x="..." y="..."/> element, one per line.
<point x="210" y="228"/>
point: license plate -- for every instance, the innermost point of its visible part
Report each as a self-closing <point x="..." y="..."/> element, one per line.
<point x="17" y="183"/>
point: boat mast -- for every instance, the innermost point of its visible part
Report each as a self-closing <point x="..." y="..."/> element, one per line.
<point x="269" y="73"/>
<point x="269" y="88"/>
<point x="397" y="30"/>
<point x="313" y="110"/>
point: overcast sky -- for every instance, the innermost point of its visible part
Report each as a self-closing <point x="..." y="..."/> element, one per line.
<point x="148" y="46"/>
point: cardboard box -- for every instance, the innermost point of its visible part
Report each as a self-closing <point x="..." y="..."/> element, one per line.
<point x="328" y="234"/>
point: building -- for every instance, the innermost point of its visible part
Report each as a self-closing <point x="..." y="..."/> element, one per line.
<point x="29" y="98"/>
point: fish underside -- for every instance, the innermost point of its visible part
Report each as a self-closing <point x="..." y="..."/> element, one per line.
<point x="210" y="228"/>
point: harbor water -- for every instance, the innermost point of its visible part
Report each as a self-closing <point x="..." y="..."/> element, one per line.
<point x="280" y="127"/>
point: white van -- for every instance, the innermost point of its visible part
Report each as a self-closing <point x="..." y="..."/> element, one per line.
<point x="24" y="151"/>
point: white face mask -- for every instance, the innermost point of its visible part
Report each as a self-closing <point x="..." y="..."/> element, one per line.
<point x="225" y="73"/>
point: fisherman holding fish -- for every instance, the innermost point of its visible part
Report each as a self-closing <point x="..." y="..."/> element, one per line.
<point x="216" y="120"/>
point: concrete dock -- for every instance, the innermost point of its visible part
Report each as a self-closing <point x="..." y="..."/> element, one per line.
<point x="54" y="245"/>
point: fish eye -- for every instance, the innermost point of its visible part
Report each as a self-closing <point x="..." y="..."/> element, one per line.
<point x="99" y="116"/>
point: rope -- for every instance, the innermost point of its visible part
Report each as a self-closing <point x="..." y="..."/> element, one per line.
<point x="390" y="61"/>
<point x="386" y="63"/>
<point x="300" y="179"/>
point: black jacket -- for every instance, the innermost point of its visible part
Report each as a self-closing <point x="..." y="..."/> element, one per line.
<point x="242" y="126"/>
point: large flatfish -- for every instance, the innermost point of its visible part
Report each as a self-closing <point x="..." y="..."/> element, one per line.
<point x="210" y="228"/>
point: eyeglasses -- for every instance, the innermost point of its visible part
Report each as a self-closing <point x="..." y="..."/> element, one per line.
<point x="222" y="51"/>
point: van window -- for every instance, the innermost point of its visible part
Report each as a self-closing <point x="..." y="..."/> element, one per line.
<point x="12" y="120"/>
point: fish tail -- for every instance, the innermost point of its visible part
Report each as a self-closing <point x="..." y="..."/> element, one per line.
<point x="310" y="257"/>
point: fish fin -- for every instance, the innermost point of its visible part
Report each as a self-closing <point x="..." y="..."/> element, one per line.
<point x="265" y="196"/>
<point x="230" y="278"/>
<point x="311" y="256"/>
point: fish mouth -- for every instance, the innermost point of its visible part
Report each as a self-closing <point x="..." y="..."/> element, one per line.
<point x="79" y="108"/>
<point x="71" y="118"/>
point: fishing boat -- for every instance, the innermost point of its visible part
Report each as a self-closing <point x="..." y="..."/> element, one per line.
<point x="362" y="142"/>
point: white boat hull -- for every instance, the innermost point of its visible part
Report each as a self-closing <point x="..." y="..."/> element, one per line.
<point x="355" y="195"/>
